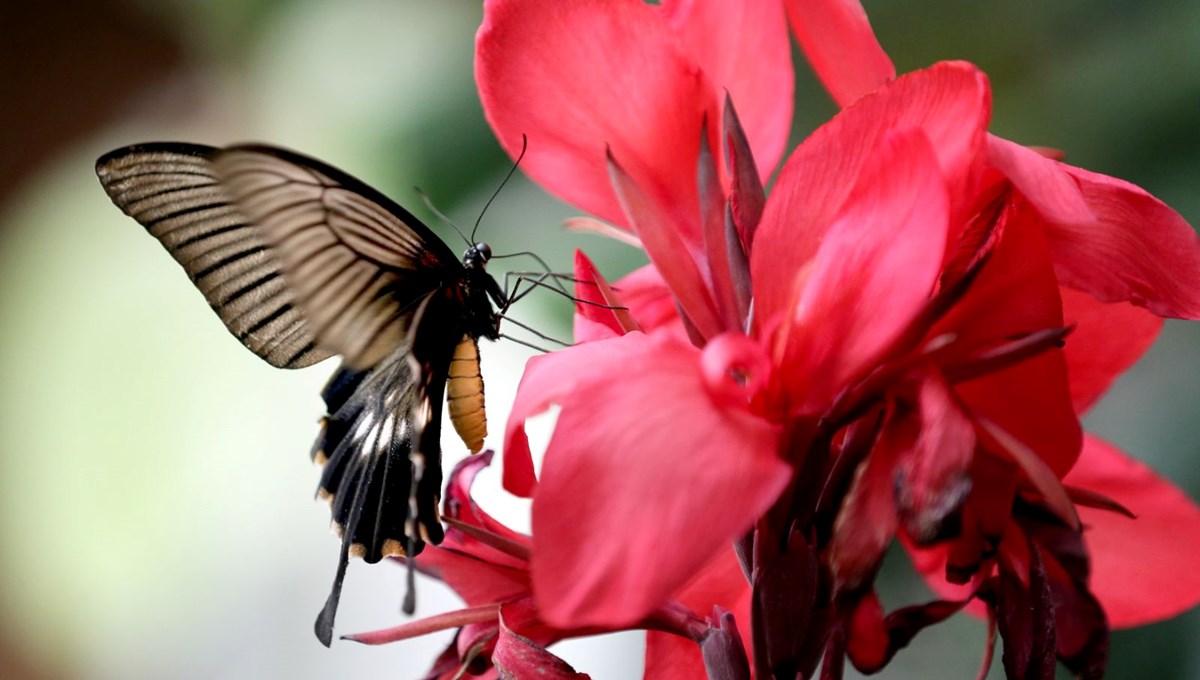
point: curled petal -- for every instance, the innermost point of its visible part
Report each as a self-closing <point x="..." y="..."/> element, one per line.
<point x="517" y="656"/>
<point x="932" y="480"/>
<point x="736" y="369"/>
<point x="600" y="73"/>
<point x="1143" y="569"/>
<point x="599" y="312"/>
<point x="1107" y="339"/>
<point x="950" y="103"/>
<point x="867" y="521"/>
<point x="644" y="479"/>
<point x="837" y="39"/>
<point x="477" y="580"/>
<point x="1136" y="248"/>
<point x="742" y="45"/>
<point x="1042" y="181"/>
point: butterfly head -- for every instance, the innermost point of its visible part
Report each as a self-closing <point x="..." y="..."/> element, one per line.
<point x="477" y="256"/>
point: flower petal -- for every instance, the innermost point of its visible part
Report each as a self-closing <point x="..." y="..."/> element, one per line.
<point x="644" y="479"/>
<point x="646" y="295"/>
<point x="949" y="102"/>
<point x="600" y="73"/>
<point x="743" y="47"/>
<point x="599" y="312"/>
<point x="867" y="521"/>
<point x="1143" y="569"/>
<point x="1042" y="181"/>
<point x="548" y="379"/>
<point x="839" y="43"/>
<point x="680" y="261"/>
<point x="1107" y="339"/>
<point x="517" y="656"/>
<point x="931" y="481"/>
<point x="1014" y="294"/>
<point x="874" y="272"/>
<point x="1136" y="249"/>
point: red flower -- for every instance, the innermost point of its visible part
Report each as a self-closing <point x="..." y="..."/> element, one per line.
<point x="502" y="630"/>
<point x="1108" y="242"/>
<point x="877" y="350"/>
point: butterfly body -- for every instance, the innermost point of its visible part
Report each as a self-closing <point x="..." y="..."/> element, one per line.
<point x="302" y="261"/>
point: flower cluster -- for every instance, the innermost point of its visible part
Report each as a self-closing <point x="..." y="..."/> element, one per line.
<point x="895" y="344"/>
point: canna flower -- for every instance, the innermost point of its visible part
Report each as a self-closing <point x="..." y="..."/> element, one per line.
<point x="895" y="344"/>
<point x="501" y="633"/>
<point x="1121" y="259"/>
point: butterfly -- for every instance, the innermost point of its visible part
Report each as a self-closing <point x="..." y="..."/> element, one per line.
<point x="301" y="262"/>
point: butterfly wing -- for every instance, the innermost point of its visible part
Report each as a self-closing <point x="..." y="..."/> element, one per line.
<point x="172" y="189"/>
<point x="357" y="263"/>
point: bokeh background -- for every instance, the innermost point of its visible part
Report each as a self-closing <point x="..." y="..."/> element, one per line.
<point x="156" y="518"/>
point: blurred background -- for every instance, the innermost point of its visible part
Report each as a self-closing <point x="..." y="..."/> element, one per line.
<point x="155" y="510"/>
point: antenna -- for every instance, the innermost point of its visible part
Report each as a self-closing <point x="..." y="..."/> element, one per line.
<point x="441" y="216"/>
<point x="524" y="145"/>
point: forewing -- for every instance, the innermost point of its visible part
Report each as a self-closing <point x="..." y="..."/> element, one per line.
<point x="358" y="263"/>
<point x="172" y="189"/>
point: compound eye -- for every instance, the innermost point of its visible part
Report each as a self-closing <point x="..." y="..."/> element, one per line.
<point x="484" y="250"/>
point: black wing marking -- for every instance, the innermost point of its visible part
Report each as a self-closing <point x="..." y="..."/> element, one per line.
<point x="378" y="421"/>
<point x="173" y="191"/>
<point x="357" y="263"/>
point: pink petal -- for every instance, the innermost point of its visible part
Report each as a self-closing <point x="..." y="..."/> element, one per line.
<point x="476" y="581"/>
<point x="643" y="481"/>
<point x="1107" y="340"/>
<point x="548" y="379"/>
<point x="743" y="47"/>
<point x="669" y="656"/>
<point x="1136" y="249"/>
<point x="839" y="43"/>
<point x="577" y="77"/>
<point x="1143" y="569"/>
<point x="874" y="272"/>
<point x="949" y="102"/>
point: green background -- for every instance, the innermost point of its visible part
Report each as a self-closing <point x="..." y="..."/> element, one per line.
<point x="154" y="512"/>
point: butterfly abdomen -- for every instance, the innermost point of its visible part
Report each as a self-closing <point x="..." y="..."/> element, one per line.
<point x="464" y="394"/>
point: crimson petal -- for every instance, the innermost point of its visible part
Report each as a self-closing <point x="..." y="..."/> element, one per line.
<point x="949" y="102"/>
<point x="837" y="39"/>
<point x="874" y="271"/>
<point x="742" y="45"/>
<point x="644" y="478"/>
<point x="1143" y="569"/>
<point x="600" y="73"/>
<point x="1107" y="339"/>
<point x="1109" y="237"/>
